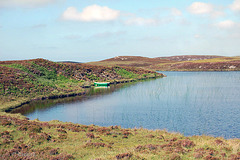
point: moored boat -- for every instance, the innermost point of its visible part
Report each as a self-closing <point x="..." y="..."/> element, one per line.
<point x="101" y="83"/>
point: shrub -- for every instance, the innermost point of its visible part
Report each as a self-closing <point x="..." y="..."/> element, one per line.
<point x="34" y="128"/>
<point x="150" y="136"/>
<point x="124" y="156"/>
<point x="97" y="145"/>
<point x="53" y="152"/>
<point x="61" y="131"/>
<point x="126" y="133"/>
<point x="6" y="122"/>
<point x="125" y="136"/>
<point x="186" y="143"/>
<point x="91" y="129"/>
<point x="62" y="136"/>
<point x="90" y="135"/>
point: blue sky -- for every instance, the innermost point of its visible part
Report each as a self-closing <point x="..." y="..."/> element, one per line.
<point x="91" y="30"/>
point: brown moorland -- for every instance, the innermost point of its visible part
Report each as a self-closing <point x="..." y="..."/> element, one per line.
<point x="176" y="63"/>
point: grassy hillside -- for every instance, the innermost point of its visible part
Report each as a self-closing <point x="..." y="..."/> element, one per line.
<point x="176" y="63"/>
<point x="21" y="81"/>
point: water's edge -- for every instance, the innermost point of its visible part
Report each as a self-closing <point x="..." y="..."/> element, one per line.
<point x="14" y="108"/>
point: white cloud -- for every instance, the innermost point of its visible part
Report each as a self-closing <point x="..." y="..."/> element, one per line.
<point x="172" y="14"/>
<point x="197" y="36"/>
<point x="217" y="14"/>
<point x="200" y="8"/>
<point x="25" y="3"/>
<point x="176" y="12"/>
<point x="227" y="24"/>
<point x="235" y="6"/>
<point x="91" y="13"/>
<point x="141" y="21"/>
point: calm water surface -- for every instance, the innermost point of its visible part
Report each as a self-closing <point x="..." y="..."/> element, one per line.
<point x="192" y="103"/>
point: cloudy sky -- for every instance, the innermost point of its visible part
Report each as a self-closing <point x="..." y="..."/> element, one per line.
<point x="91" y="30"/>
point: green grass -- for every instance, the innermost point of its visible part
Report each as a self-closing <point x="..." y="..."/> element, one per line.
<point x="92" y="77"/>
<point x="125" y="74"/>
<point x="45" y="78"/>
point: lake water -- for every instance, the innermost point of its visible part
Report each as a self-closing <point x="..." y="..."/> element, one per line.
<point x="192" y="103"/>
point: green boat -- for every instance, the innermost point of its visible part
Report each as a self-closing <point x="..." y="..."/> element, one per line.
<point x="101" y="83"/>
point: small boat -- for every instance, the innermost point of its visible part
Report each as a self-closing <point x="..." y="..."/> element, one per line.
<point x="101" y="87"/>
<point x="101" y="83"/>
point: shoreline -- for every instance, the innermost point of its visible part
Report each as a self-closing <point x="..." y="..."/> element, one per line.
<point x="10" y="107"/>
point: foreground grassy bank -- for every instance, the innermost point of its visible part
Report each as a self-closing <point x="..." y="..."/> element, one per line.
<point x="23" y="81"/>
<point x="25" y="139"/>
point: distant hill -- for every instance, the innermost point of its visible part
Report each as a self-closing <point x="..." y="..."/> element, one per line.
<point x="131" y="61"/>
<point x="68" y="62"/>
<point x="190" y="57"/>
<point x="176" y="63"/>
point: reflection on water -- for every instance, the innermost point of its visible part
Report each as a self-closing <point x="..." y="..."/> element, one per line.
<point x="192" y="103"/>
<point x="92" y="92"/>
